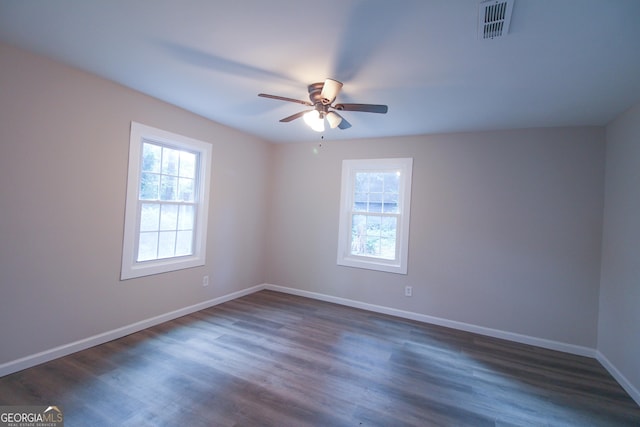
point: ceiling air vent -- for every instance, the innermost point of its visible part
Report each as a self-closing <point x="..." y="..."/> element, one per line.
<point x="494" y="17"/>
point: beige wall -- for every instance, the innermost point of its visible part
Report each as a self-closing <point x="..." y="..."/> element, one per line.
<point x="505" y="228"/>
<point x="64" y="136"/>
<point x="619" y="321"/>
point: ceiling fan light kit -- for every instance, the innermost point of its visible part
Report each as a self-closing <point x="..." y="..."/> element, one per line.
<point x="321" y="97"/>
<point x="314" y="120"/>
<point x="334" y="119"/>
<point x="330" y="90"/>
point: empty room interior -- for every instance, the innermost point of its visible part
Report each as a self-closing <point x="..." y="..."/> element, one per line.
<point x="338" y="213"/>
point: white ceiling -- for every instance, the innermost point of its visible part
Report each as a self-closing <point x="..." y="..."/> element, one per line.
<point x="563" y="63"/>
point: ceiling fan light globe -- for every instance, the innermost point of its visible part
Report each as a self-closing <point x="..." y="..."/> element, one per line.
<point x="330" y="90"/>
<point x="314" y="121"/>
<point x="334" y="119"/>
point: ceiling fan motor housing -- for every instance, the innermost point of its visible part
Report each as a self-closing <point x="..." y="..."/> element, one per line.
<point x="324" y="92"/>
<point x="315" y="95"/>
<point x="315" y="92"/>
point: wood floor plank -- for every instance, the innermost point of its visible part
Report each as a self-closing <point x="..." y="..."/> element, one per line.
<point x="272" y="359"/>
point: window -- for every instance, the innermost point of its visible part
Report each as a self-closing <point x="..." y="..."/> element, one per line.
<point x="374" y="214"/>
<point x="167" y="201"/>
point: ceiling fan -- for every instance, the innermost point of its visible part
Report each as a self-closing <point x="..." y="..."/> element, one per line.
<point x="321" y="96"/>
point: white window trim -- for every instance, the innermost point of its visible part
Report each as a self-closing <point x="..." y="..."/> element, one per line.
<point x="130" y="267"/>
<point x="349" y="169"/>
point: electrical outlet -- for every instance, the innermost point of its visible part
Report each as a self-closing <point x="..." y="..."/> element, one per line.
<point x="408" y="291"/>
<point x="205" y="280"/>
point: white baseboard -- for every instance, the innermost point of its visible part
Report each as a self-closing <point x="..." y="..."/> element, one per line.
<point x="496" y="333"/>
<point x="622" y="380"/>
<point x="66" y="349"/>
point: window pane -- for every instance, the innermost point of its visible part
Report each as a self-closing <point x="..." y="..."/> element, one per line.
<point x="388" y="227"/>
<point x="373" y="246"/>
<point x="391" y="182"/>
<point x="170" y="159"/>
<point x="167" y="244"/>
<point x="362" y="183"/>
<point x="184" y="243"/>
<point x="185" y="217"/>
<point x="373" y="225"/>
<point x="375" y="206"/>
<point x="148" y="246"/>
<point x="375" y="182"/>
<point x="390" y="203"/>
<point x="358" y="234"/>
<point x="375" y="202"/>
<point x="375" y="198"/>
<point x="187" y="165"/>
<point x="360" y="202"/>
<point x="359" y="221"/>
<point x="360" y="207"/>
<point x="151" y="155"/>
<point x="168" y="188"/>
<point x="185" y="189"/>
<point x="388" y="248"/>
<point x="149" y="217"/>
<point x="149" y="185"/>
<point x="169" y="217"/>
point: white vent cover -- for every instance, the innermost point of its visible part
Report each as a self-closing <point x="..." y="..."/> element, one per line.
<point x="494" y="17"/>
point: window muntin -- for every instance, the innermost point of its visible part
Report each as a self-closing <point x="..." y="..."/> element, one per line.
<point x="167" y="201"/>
<point x="374" y="214"/>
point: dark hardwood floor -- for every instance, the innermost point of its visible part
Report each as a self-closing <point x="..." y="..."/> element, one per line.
<point x="272" y="359"/>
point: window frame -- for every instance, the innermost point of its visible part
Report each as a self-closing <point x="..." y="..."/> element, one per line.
<point x="131" y="268"/>
<point x="350" y="167"/>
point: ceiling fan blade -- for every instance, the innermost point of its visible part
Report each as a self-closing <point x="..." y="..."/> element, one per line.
<point x="344" y="124"/>
<point x="366" y="108"/>
<point x="330" y="90"/>
<point x="295" y="116"/>
<point x="283" y="98"/>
